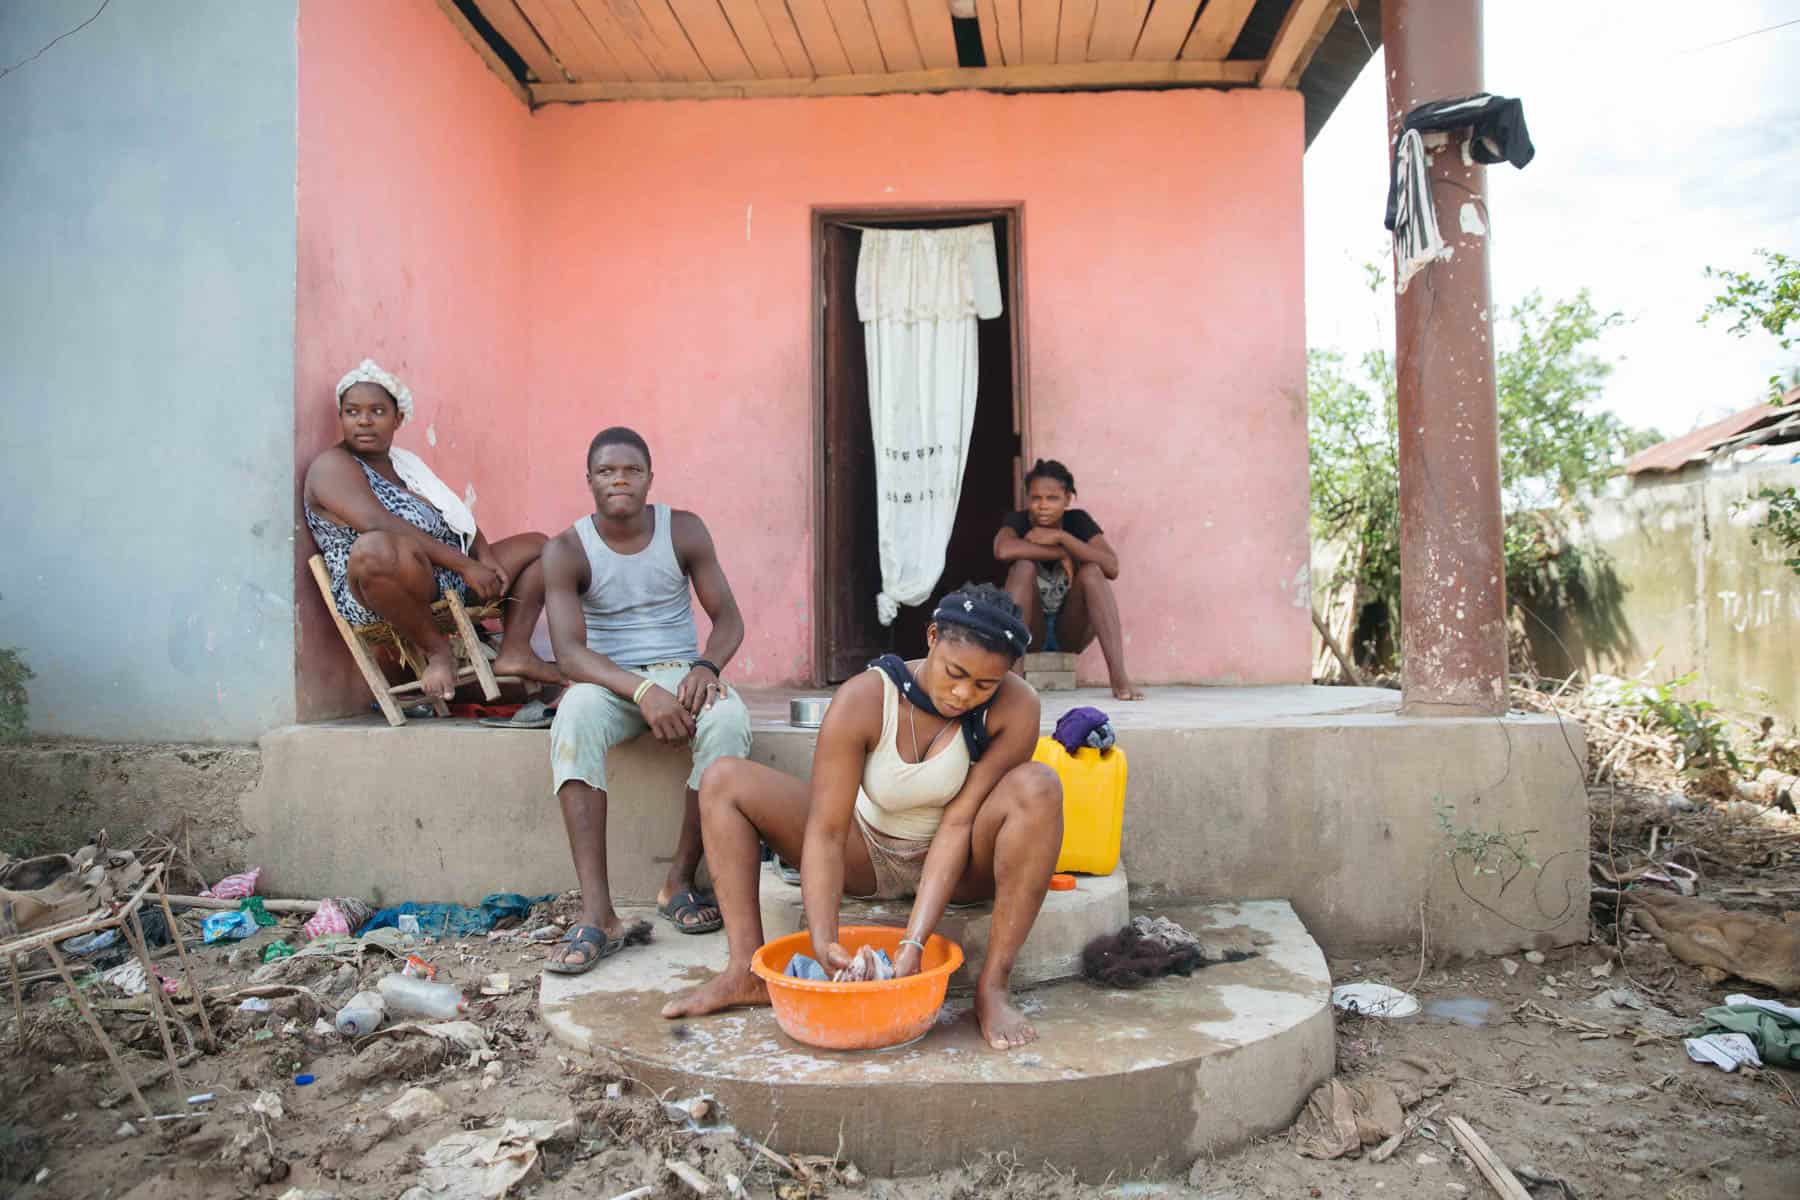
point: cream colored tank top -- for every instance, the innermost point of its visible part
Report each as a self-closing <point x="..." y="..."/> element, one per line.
<point x="902" y="799"/>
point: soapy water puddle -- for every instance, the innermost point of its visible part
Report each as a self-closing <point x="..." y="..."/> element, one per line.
<point x="1460" y="1010"/>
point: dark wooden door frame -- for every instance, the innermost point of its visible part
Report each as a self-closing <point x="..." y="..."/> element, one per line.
<point x="1013" y="218"/>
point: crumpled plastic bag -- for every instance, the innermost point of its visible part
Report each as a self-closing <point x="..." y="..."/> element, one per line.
<point x="254" y="906"/>
<point x="1341" y="1116"/>
<point x="227" y="926"/>
<point x="341" y="916"/>
<point x="234" y="887"/>
<point x="485" y="1164"/>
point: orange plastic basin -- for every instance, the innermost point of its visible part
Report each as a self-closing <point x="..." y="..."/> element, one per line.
<point x="857" y="1016"/>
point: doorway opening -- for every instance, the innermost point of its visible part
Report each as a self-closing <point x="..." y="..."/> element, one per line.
<point x="848" y="573"/>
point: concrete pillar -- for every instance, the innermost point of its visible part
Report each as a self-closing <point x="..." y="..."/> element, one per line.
<point x="1452" y="568"/>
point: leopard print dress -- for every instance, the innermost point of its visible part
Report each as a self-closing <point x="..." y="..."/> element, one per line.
<point x="335" y="542"/>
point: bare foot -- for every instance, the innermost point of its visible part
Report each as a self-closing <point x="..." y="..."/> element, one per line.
<point x="439" y="676"/>
<point x="1004" y="1026"/>
<point x="528" y="666"/>
<point x="727" y="989"/>
<point x="1122" y="689"/>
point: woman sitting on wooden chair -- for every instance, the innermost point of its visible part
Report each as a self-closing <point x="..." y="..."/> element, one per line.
<point x="395" y="538"/>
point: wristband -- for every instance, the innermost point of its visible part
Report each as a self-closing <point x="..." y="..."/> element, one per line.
<point x="637" y="697"/>
<point x="709" y="665"/>
<point x="913" y="942"/>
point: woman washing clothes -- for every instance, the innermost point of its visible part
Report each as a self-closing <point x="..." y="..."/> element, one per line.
<point x="395" y="538"/>
<point x="1060" y="570"/>
<point x="922" y="786"/>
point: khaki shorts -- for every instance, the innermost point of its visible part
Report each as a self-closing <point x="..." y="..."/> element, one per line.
<point x="591" y="720"/>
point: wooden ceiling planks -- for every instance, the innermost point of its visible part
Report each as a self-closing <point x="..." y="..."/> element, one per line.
<point x="787" y="38"/>
<point x="639" y="68"/>
<point x="654" y="49"/>
<point x="1117" y="24"/>
<point x="1072" y="30"/>
<point x="937" y="37"/>
<point x="1216" y="32"/>
<point x="573" y="40"/>
<point x="857" y="34"/>
<point x="1038" y="21"/>
<point x="754" y="37"/>
<point x="1008" y="28"/>
<point x="511" y="24"/>
<point x="653" y="26"/>
<point x="894" y="30"/>
<point x="990" y="33"/>
<point x="823" y="46"/>
<point x="1300" y="32"/>
<point x="715" y="43"/>
<point x="1165" y="30"/>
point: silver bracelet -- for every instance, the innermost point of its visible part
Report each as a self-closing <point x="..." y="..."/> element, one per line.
<point x="913" y="942"/>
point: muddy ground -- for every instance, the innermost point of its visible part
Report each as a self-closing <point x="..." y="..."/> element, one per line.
<point x="1562" y="1082"/>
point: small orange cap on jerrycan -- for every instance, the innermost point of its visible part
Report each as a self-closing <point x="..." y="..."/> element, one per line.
<point x="1093" y="787"/>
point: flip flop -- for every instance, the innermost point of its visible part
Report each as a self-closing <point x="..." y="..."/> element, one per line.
<point x="682" y="904"/>
<point x="606" y="947"/>
<point x="533" y="714"/>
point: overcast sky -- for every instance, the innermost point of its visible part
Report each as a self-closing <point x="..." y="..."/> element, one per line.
<point x="1657" y="155"/>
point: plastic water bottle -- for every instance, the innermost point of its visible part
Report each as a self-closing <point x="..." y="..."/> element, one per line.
<point x="361" y="1014"/>
<point x="408" y="997"/>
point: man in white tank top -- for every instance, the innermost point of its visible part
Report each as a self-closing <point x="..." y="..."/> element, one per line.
<point x="616" y="591"/>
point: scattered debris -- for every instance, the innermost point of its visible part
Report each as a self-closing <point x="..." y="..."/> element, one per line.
<point x="1720" y="942"/>
<point x="1374" y="1000"/>
<point x="1504" y="1182"/>
<point x="484" y="1164"/>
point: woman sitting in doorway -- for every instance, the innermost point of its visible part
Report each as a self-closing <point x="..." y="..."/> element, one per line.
<point x="1059" y="571"/>
<point x="395" y="538"/>
<point x="922" y="786"/>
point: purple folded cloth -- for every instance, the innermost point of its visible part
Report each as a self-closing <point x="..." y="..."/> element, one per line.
<point x="1073" y="729"/>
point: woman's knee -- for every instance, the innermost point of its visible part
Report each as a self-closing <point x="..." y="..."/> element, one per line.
<point x="374" y="554"/>
<point x="1037" y="792"/>
<point x="1090" y="575"/>
<point x="1022" y="572"/>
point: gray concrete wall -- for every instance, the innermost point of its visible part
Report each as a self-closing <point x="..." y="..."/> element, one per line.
<point x="1335" y="814"/>
<point x="1679" y="582"/>
<point x="147" y="170"/>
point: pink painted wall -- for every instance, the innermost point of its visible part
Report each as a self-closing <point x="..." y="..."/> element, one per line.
<point x="413" y="226"/>
<point x="1165" y="341"/>
<point x="537" y="277"/>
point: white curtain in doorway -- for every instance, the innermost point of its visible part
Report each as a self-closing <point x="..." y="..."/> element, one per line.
<point x="919" y="293"/>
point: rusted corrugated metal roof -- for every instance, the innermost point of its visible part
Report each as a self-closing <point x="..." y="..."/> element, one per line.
<point x="1677" y="453"/>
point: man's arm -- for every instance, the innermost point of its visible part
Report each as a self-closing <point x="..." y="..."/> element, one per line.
<point x="695" y="551"/>
<point x="852" y="724"/>
<point x="565" y="578"/>
<point x="1015" y="720"/>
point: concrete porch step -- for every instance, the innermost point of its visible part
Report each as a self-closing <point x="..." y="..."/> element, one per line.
<point x="1119" y="1081"/>
<point x="1067" y="922"/>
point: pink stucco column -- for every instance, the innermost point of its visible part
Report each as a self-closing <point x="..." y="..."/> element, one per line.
<point x="1452" y="566"/>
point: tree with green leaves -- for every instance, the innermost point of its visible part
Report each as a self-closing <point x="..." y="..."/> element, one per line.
<point x="1768" y="300"/>
<point x="1555" y="445"/>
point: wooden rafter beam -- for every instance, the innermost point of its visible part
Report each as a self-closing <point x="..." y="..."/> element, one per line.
<point x="449" y="9"/>
<point x="1300" y="34"/>
<point x="1047" y="77"/>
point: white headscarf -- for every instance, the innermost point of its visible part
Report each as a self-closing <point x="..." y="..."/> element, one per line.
<point x="412" y="469"/>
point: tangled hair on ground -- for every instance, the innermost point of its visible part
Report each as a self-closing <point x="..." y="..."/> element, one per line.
<point x="1128" y="959"/>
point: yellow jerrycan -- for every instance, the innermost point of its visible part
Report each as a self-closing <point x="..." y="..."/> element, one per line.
<point x="1093" y="787"/>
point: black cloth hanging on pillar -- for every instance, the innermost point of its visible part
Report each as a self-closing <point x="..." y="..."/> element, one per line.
<point x="1498" y="134"/>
